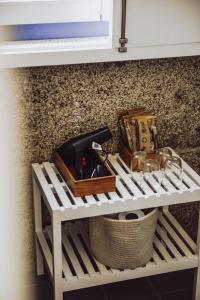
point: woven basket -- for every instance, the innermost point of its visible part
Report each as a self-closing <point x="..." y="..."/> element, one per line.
<point x="123" y="244"/>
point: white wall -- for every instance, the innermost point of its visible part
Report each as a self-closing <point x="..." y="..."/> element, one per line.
<point x="12" y="264"/>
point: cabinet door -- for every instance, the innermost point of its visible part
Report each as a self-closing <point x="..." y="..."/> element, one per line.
<point x="162" y="22"/>
<point x="45" y="32"/>
<point x="89" y="30"/>
<point x="14" y="12"/>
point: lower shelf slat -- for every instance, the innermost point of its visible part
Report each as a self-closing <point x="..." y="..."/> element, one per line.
<point x="173" y="251"/>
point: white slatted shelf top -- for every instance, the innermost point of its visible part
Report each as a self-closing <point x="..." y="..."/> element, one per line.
<point x="130" y="193"/>
<point x="173" y="250"/>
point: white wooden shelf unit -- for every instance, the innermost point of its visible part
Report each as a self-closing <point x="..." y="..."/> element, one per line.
<point x="64" y="247"/>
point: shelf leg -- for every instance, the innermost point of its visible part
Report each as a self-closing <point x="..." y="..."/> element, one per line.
<point x="38" y="226"/>
<point x="57" y="256"/>
<point x="196" y="289"/>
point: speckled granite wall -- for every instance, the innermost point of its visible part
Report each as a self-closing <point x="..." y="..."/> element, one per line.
<point x="57" y="103"/>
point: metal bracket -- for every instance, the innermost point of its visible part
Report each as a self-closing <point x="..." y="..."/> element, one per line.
<point x="123" y="40"/>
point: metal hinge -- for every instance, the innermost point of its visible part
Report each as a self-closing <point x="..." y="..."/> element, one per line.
<point x="123" y="40"/>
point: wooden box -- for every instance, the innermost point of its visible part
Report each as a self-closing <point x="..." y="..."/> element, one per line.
<point x="128" y="157"/>
<point x="84" y="187"/>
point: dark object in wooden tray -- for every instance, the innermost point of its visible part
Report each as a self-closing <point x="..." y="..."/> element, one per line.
<point x="84" y="187"/>
<point x="128" y="157"/>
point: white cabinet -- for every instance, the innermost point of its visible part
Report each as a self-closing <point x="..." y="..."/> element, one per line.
<point x="164" y="28"/>
<point x="161" y="22"/>
<point x="48" y="11"/>
<point x="22" y="21"/>
<point x="154" y="28"/>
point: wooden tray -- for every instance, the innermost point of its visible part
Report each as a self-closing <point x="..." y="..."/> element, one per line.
<point x="85" y="187"/>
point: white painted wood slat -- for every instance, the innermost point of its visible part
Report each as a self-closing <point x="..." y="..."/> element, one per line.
<point x="58" y="187"/>
<point x="183" y="233"/>
<point x="137" y="177"/>
<point x="162" y="250"/>
<point x="189" y="181"/>
<point x="133" y="188"/>
<point x="142" y="183"/>
<point x="156" y="257"/>
<point x="90" y="199"/>
<point x="114" y="196"/>
<point x="102" y="198"/>
<point x="77" y="200"/>
<point x="37" y="201"/>
<point x="122" y="163"/>
<point x="46" y="251"/>
<point x="156" y="185"/>
<point x="81" y="229"/>
<point x="168" y="242"/>
<point x="45" y="187"/>
<point x="175" y="236"/>
<point x="73" y="258"/>
<point x="168" y="185"/>
<point x="180" y="185"/>
<point x="81" y="250"/>
<point x="123" y="191"/>
<point x="192" y="174"/>
<point x="66" y="269"/>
